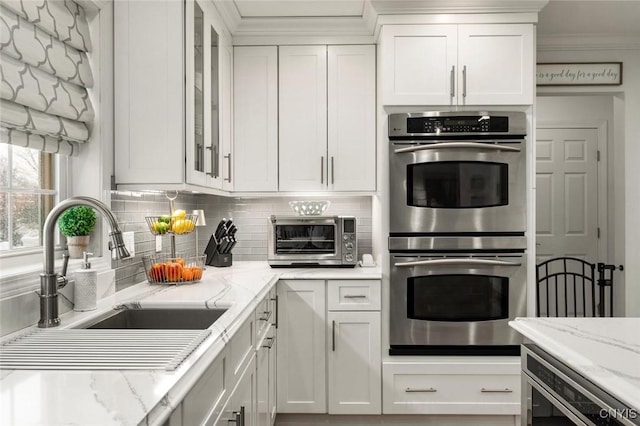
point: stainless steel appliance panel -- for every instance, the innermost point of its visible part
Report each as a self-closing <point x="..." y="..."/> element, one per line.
<point x="474" y="173"/>
<point x="312" y="241"/>
<point x="462" y="308"/>
<point x="555" y="395"/>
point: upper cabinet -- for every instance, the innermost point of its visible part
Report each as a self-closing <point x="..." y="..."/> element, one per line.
<point x="304" y="118"/>
<point x="172" y="82"/>
<point x="471" y="64"/>
<point x="327" y="118"/>
<point x="255" y="90"/>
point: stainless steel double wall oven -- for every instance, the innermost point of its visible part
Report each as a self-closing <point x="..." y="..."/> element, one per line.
<point x="457" y="231"/>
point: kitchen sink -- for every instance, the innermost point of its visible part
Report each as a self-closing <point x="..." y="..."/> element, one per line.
<point x="158" y="319"/>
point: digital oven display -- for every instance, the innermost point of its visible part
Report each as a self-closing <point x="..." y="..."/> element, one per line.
<point x="460" y="124"/>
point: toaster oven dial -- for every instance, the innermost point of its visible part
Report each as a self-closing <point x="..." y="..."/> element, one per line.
<point x="349" y="257"/>
<point x="349" y="246"/>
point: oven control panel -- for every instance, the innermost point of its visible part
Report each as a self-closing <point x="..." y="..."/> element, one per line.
<point x="436" y="124"/>
<point x="349" y="241"/>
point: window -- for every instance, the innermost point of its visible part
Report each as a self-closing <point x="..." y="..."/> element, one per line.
<point x="27" y="194"/>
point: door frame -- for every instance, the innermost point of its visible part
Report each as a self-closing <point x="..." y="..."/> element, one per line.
<point x="603" y="178"/>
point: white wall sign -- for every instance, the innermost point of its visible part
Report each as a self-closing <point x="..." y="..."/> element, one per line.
<point x="579" y="74"/>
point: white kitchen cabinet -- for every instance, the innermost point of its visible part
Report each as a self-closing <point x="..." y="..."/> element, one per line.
<point x="478" y="387"/>
<point x="240" y="408"/>
<point x="301" y="351"/>
<point x="354" y="363"/>
<point x="265" y="397"/>
<point x="350" y="341"/>
<point x="471" y="64"/>
<point x="326" y="118"/>
<point x="351" y="120"/>
<point x="255" y="107"/>
<point x="167" y="93"/>
<point x="226" y="114"/>
<point x="302" y="118"/>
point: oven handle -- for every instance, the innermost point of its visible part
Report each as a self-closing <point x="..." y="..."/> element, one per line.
<point x="455" y="145"/>
<point x="448" y="262"/>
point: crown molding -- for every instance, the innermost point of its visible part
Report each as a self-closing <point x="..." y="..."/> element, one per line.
<point x="562" y="42"/>
<point x="400" y="7"/>
<point x="229" y="13"/>
<point x="303" y="26"/>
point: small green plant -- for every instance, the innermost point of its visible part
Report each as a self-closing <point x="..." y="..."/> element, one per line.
<point x="77" y="221"/>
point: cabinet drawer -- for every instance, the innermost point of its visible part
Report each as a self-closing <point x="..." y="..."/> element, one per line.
<point x="417" y="389"/>
<point x="353" y="295"/>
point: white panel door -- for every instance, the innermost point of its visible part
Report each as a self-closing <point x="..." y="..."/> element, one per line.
<point x="496" y="64"/>
<point x="226" y="114"/>
<point x="255" y="104"/>
<point x="418" y="64"/>
<point x="355" y="385"/>
<point x="263" y="416"/>
<point x="567" y="194"/>
<point x="149" y="92"/>
<point x="301" y="372"/>
<point x="302" y="118"/>
<point x="351" y="118"/>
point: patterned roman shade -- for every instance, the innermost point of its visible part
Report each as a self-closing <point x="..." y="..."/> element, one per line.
<point x="45" y="75"/>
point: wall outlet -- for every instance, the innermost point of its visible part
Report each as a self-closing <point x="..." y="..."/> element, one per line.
<point x="158" y="243"/>
<point x="129" y="243"/>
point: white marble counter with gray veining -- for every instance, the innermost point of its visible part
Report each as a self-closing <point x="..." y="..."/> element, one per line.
<point x="132" y="397"/>
<point x="604" y="350"/>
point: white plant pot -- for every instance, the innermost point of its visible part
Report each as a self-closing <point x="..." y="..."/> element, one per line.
<point x="77" y="245"/>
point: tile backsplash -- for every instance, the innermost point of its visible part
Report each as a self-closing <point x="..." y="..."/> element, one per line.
<point x="249" y="214"/>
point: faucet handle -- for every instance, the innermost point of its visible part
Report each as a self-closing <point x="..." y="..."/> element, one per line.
<point x="65" y="263"/>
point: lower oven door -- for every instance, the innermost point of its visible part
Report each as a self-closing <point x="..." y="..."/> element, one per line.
<point x="456" y="304"/>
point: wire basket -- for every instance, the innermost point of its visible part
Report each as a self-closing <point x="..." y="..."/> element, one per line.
<point x="163" y="225"/>
<point x="164" y="269"/>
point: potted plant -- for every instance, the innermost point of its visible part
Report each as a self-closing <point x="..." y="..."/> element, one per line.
<point x="76" y="224"/>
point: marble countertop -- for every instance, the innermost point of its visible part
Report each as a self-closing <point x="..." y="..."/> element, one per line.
<point x="132" y="397"/>
<point x="604" y="350"/>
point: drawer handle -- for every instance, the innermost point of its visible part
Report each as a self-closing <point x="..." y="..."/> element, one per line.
<point x="421" y="390"/>
<point x="355" y="296"/>
<point x="266" y="316"/>
<point x="505" y="390"/>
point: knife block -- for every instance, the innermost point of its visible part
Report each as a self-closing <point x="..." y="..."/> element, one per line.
<point x="214" y="257"/>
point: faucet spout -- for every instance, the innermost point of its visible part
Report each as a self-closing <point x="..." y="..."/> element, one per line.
<point x="49" y="278"/>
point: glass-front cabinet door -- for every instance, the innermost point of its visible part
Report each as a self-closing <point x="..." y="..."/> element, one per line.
<point x="202" y="96"/>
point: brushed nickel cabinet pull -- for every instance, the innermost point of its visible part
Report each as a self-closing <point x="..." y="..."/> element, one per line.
<point x="428" y="390"/>
<point x="275" y="299"/>
<point x="464" y="81"/>
<point x="228" y="157"/>
<point x="355" y="296"/>
<point x="333" y="180"/>
<point x="333" y="335"/>
<point x="321" y="170"/>
<point x="453" y="81"/>
<point x="505" y="390"/>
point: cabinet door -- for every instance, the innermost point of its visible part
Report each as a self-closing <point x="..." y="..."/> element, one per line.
<point x="496" y="64"/>
<point x="351" y="127"/>
<point x="303" y="118"/>
<point x="255" y="103"/>
<point x="272" y="379"/>
<point x="226" y="114"/>
<point x="199" y="96"/>
<point x="149" y="92"/>
<point x="263" y="415"/>
<point x="418" y="64"/>
<point x="242" y="400"/>
<point x="301" y="349"/>
<point x="354" y="363"/>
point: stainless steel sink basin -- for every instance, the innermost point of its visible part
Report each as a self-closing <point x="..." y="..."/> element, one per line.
<point x="158" y="319"/>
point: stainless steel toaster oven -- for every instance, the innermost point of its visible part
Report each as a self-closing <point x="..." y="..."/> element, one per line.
<point x="304" y="241"/>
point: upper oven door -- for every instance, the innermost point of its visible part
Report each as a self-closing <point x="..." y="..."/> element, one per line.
<point x="458" y="186"/>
